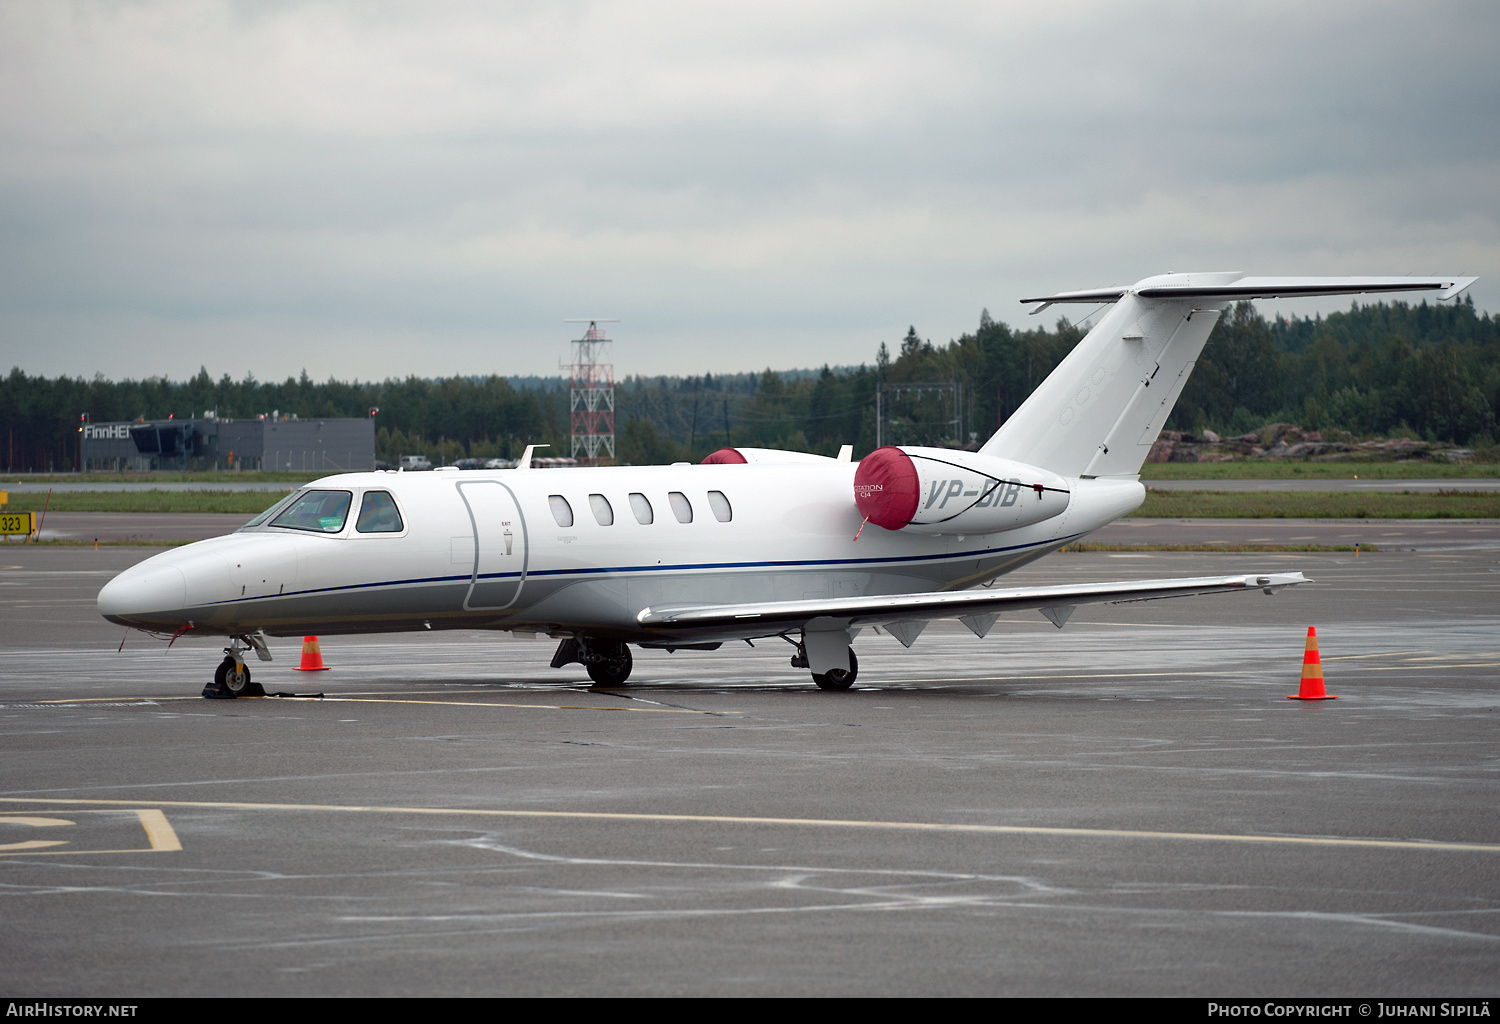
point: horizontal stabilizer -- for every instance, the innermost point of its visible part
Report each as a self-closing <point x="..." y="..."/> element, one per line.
<point x="776" y="616"/>
<point x="1231" y="287"/>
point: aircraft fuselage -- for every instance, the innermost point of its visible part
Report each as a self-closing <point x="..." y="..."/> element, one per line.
<point x="488" y="550"/>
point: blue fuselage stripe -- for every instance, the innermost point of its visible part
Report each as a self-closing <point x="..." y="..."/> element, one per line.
<point x="686" y="567"/>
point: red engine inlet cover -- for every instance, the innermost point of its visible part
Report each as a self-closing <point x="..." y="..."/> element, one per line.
<point x="723" y="457"/>
<point x="886" y="488"/>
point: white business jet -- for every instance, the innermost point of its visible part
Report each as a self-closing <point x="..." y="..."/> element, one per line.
<point x="752" y="543"/>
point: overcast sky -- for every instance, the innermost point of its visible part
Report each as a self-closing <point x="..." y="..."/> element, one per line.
<point x="379" y="189"/>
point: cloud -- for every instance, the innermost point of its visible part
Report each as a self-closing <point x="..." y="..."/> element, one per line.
<point x="371" y="189"/>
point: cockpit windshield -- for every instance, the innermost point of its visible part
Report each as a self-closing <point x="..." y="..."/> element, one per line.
<point x="317" y="511"/>
<point x="273" y="510"/>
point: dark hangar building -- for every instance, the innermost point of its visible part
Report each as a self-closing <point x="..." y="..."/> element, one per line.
<point x="286" y="444"/>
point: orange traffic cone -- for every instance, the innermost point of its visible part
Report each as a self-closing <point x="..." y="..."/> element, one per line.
<point x="1312" y="672"/>
<point x="312" y="656"/>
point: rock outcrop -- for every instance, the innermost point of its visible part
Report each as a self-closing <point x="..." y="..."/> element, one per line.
<point x="1289" y="441"/>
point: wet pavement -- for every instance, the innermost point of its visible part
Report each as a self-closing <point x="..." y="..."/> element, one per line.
<point x="1126" y="806"/>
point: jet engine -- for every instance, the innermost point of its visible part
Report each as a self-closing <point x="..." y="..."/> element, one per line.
<point x="937" y="490"/>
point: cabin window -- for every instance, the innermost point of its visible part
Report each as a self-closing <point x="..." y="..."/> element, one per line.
<point x="642" y="509"/>
<point x="720" y="504"/>
<point x="378" y="514"/>
<point x="681" y="507"/>
<point x="316" y="511"/>
<point x="561" y="510"/>
<point x="604" y="515"/>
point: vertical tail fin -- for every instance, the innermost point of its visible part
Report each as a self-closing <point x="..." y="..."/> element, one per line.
<point x="1100" y="411"/>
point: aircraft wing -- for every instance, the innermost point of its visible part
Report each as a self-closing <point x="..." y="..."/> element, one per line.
<point x="977" y="608"/>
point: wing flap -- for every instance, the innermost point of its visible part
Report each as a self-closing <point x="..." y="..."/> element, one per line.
<point x="853" y="612"/>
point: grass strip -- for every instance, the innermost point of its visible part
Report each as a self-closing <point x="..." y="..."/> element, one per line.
<point x="1089" y="546"/>
<point x="210" y="477"/>
<point x="245" y="503"/>
<point x="1319" y="505"/>
<point x="1275" y="470"/>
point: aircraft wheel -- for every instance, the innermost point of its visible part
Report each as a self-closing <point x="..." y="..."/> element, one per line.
<point x="237" y="680"/>
<point x="838" y="679"/>
<point x="219" y="688"/>
<point x="614" y="669"/>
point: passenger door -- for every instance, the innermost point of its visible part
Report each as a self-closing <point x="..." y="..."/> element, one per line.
<point x="500" y="545"/>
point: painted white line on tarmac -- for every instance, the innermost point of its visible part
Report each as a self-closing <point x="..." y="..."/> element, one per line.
<point x="853" y="823"/>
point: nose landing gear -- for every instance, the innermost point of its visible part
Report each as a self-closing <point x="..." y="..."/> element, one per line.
<point x="232" y="677"/>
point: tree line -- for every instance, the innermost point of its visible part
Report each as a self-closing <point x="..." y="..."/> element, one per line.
<point x="1431" y="371"/>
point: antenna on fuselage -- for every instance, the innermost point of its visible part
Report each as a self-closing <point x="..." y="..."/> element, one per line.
<point x="525" y="462"/>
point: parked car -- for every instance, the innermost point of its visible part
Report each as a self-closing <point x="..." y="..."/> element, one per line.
<point x="500" y="464"/>
<point x="469" y="464"/>
<point x="412" y="463"/>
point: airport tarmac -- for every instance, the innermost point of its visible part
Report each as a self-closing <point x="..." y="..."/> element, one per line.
<point x="1350" y="483"/>
<point x="1128" y="806"/>
<point x="138" y="527"/>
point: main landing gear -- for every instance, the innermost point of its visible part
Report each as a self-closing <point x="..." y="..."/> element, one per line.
<point x="232" y="677"/>
<point x="833" y="679"/>
<point x="838" y="679"/>
<point x="608" y="662"/>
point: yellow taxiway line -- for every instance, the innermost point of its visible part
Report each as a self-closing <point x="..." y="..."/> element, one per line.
<point x="159" y="831"/>
<point x="849" y="823"/>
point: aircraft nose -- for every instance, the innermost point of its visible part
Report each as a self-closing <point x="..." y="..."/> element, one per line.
<point x="137" y="596"/>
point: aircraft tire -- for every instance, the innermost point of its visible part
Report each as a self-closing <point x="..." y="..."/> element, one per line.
<point x="838" y="679"/>
<point x="219" y="689"/>
<point x="614" y="670"/>
<point x="237" y="683"/>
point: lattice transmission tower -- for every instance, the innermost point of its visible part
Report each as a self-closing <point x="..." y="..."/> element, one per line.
<point x="592" y="397"/>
